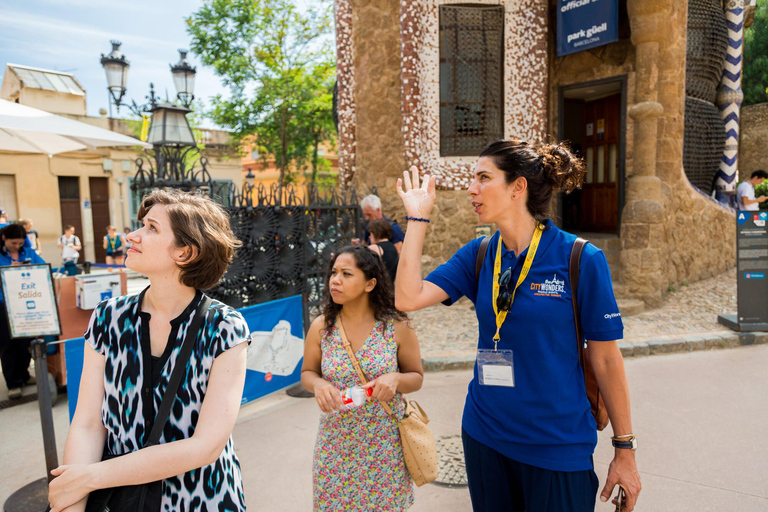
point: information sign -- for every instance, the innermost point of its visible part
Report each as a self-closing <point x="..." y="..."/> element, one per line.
<point x="752" y="276"/>
<point x="30" y="301"/>
<point x="585" y="24"/>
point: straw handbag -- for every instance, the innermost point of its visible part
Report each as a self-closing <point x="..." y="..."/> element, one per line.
<point x="418" y="443"/>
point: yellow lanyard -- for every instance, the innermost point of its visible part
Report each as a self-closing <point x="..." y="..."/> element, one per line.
<point x="502" y="315"/>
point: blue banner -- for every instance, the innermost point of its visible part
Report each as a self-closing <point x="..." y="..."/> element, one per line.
<point x="585" y="24"/>
<point x="274" y="355"/>
<point x="277" y="346"/>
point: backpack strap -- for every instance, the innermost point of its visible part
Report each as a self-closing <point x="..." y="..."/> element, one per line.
<point x="573" y="277"/>
<point x="481" y="256"/>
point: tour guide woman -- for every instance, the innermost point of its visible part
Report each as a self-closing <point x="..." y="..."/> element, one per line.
<point x="527" y="429"/>
<point x="132" y="345"/>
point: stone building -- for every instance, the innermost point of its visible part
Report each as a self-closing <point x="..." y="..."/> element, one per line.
<point x="89" y="189"/>
<point x="624" y="106"/>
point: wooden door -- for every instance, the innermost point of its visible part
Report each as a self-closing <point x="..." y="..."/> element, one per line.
<point x="100" y="214"/>
<point x="600" y="150"/>
<point x="69" y="201"/>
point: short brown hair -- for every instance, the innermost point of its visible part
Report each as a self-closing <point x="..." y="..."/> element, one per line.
<point x="197" y="222"/>
<point x="381" y="229"/>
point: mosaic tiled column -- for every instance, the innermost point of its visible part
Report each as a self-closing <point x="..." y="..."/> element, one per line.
<point x="729" y="97"/>
<point x="345" y="76"/>
<point x="643" y="214"/>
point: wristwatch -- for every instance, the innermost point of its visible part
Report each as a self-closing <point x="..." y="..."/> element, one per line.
<point x="626" y="444"/>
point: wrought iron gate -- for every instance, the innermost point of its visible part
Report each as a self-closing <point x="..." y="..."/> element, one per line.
<point x="287" y="240"/>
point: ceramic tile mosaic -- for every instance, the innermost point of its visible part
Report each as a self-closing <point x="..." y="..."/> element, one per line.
<point x="525" y="98"/>
<point x="345" y="76"/>
<point x="525" y="84"/>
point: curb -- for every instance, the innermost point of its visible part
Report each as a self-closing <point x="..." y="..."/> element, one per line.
<point x="647" y="348"/>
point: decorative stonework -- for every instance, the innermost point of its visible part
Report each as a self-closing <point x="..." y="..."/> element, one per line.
<point x="345" y="75"/>
<point x="525" y="77"/>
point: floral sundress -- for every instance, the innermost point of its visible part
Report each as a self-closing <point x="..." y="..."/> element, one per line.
<point x="358" y="463"/>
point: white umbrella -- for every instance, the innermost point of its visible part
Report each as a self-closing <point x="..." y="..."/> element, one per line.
<point x="29" y="130"/>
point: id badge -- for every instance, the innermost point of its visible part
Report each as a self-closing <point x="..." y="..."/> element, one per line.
<point x="495" y="368"/>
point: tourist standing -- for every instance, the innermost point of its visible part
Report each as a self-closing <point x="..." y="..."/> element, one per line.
<point x="33" y="237"/>
<point x="14" y="353"/>
<point x="115" y="247"/>
<point x="371" y="206"/>
<point x="132" y="345"/>
<point x="381" y="232"/>
<point x="69" y="245"/>
<point x="745" y="193"/>
<point x="358" y="462"/>
<point x="527" y="427"/>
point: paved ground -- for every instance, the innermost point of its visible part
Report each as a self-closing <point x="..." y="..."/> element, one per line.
<point x="700" y="418"/>
<point x="448" y="336"/>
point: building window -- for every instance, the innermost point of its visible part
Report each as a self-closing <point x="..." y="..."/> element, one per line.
<point x="471" y="78"/>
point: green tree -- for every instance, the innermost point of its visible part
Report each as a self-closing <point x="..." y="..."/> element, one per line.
<point x="276" y="61"/>
<point x="755" y="75"/>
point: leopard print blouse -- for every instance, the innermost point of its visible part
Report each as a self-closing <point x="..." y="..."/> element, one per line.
<point x="119" y="330"/>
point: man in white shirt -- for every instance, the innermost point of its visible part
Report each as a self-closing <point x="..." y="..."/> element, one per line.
<point x="69" y="245"/>
<point x="745" y="194"/>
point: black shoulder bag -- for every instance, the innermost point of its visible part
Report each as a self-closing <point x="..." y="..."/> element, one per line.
<point x="148" y="497"/>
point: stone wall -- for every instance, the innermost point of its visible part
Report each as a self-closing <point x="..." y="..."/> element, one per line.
<point x="394" y="105"/>
<point x="699" y="234"/>
<point x="670" y="233"/>
<point x="691" y="237"/>
<point x="753" y="151"/>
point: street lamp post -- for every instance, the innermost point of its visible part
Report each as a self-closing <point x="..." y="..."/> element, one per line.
<point x="172" y="139"/>
<point x="116" y="67"/>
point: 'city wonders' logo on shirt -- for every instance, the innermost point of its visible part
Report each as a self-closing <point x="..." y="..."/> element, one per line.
<point x="549" y="288"/>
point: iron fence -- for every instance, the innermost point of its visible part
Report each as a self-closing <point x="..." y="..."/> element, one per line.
<point x="288" y="240"/>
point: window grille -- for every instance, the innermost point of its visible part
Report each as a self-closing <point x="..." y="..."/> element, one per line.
<point x="471" y="78"/>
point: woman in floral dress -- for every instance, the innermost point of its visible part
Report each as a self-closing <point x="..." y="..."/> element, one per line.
<point x="358" y="462"/>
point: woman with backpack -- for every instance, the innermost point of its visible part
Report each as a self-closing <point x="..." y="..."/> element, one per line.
<point x="528" y="431"/>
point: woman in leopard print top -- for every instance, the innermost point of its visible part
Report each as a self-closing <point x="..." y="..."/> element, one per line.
<point x="132" y="343"/>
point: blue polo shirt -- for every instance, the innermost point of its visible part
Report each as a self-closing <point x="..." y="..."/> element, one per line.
<point x="27" y="243"/>
<point x="545" y="420"/>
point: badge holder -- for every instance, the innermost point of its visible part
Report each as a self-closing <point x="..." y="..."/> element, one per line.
<point x="495" y="368"/>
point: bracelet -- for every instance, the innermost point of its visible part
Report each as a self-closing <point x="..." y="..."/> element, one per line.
<point x="417" y="219"/>
<point x="623" y="438"/>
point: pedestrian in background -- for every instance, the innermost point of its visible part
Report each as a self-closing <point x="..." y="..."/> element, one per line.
<point x="745" y="193"/>
<point x="527" y="428"/>
<point x="69" y="245"/>
<point x="14" y="353"/>
<point x="115" y="247"/>
<point x="381" y="233"/>
<point x="359" y="462"/>
<point x="371" y="205"/>
<point x="32" y="235"/>
<point x="132" y="344"/>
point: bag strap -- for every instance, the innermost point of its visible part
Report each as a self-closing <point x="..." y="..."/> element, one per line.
<point x="573" y="276"/>
<point x="355" y="362"/>
<point x="481" y="256"/>
<point x="179" y="369"/>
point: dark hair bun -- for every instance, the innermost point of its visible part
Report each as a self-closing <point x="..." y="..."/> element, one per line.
<point x="562" y="169"/>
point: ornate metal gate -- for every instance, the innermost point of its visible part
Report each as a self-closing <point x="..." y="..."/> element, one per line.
<point x="287" y="240"/>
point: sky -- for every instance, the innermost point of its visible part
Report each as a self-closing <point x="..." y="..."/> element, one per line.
<point x="71" y="35"/>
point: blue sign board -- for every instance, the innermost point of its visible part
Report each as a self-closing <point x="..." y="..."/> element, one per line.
<point x="274" y="355"/>
<point x="585" y="24"/>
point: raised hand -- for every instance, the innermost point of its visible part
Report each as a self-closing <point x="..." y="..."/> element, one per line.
<point x="417" y="199"/>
